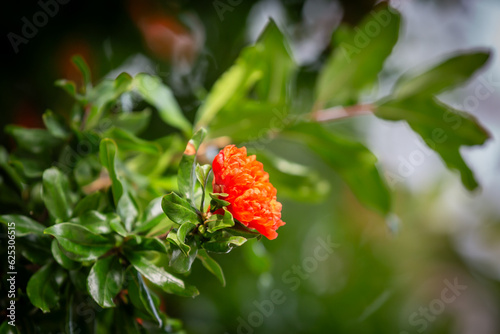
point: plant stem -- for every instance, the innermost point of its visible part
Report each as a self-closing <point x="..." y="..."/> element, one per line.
<point x="336" y="113"/>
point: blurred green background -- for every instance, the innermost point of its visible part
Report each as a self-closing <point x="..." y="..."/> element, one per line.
<point x="382" y="275"/>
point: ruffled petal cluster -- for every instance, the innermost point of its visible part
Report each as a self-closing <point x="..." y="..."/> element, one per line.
<point x="252" y="196"/>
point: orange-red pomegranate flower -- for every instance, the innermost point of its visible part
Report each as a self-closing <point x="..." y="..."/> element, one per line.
<point x="252" y="196"/>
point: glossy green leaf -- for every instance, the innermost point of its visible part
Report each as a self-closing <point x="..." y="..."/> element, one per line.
<point x="202" y="173"/>
<point x="157" y="275"/>
<point x="56" y="194"/>
<point x="107" y="153"/>
<point x="24" y="225"/>
<point x="146" y="244"/>
<point x="442" y="128"/>
<point x="446" y="75"/>
<point x="96" y="222"/>
<point x="61" y="258"/>
<point x="126" y="207"/>
<point x="178" y="209"/>
<point x="43" y="286"/>
<point x="80" y="243"/>
<point x="182" y="234"/>
<point x="128" y="210"/>
<point x="180" y="262"/>
<point x="186" y="176"/>
<point x="212" y="266"/>
<point x="224" y="244"/>
<point x="355" y="164"/>
<point x="105" y="280"/>
<point x="117" y="226"/>
<point x="56" y="125"/>
<point x="358" y="58"/>
<point x="141" y="296"/>
<point x="216" y="202"/>
<point x="218" y="222"/>
<point x="160" y="96"/>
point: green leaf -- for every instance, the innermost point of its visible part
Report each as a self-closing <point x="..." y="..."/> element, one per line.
<point x="216" y="202"/>
<point x="117" y="226"/>
<point x="444" y="76"/>
<point x="43" y="286"/>
<point x="224" y="244"/>
<point x="96" y="222"/>
<point x="35" y="248"/>
<point x="107" y="153"/>
<point x="351" y="160"/>
<point x="11" y="172"/>
<point x="95" y="201"/>
<point x="105" y="280"/>
<point x="35" y="141"/>
<point x="146" y="244"/>
<point x="130" y="143"/>
<point x="61" y="258"/>
<point x="68" y="85"/>
<point x="128" y="211"/>
<point x="212" y="266"/>
<point x="218" y="222"/>
<point x="133" y="122"/>
<point x="24" y="225"/>
<point x="5" y="328"/>
<point x="80" y="243"/>
<point x="358" y="58"/>
<point x="182" y="233"/>
<point x="267" y="66"/>
<point x="181" y="262"/>
<point x="178" y="209"/>
<point x="168" y="282"/>
<point x="241" y="230"/>
<point x="295" y="181"/>
<point x="141" y="297"/>
<point x="160" y="96"/>
<point x="442" y="128"/>
<point x="186" y="177"/>
<point x="202" y="172"/>
<point x="104" y="95"/>
<point x="56" y="125"/>
<point x="82" y="66"/>
<point x="126" y="207"/>
<point x="56" y="194"/>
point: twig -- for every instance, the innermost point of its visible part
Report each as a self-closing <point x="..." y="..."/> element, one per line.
<point x="336" y="113"/>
